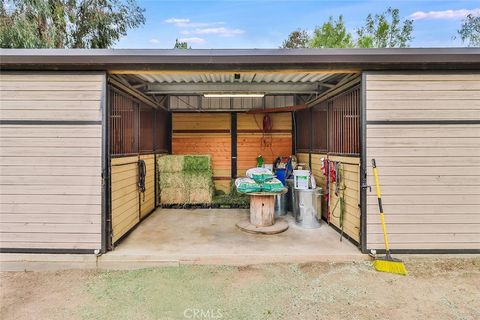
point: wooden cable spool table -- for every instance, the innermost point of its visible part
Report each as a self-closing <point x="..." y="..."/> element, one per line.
<point x="262" y="214"/>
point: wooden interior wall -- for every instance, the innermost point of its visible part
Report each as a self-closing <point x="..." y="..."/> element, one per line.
<point x="147" y="202"/>
<point x="125" y="198"/>
<point x="251" y="141"/>
<point x="205" y="133"/>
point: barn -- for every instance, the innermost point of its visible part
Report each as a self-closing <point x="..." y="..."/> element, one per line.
<point x="75" y="123"/>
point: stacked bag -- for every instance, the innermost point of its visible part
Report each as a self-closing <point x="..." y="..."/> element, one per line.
<point x="185" y="179"/>
<point x="258" y="180"/>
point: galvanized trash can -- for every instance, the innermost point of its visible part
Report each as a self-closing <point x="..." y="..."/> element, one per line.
<point x="290" y="197"/>
<point x="308" y="209"/>
<point x="280" y="208"/>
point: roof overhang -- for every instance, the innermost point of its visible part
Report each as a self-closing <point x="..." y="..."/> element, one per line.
<point x="162" y="60"/>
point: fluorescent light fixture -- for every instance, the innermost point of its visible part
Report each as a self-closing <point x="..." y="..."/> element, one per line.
<point x="234" y="95"/>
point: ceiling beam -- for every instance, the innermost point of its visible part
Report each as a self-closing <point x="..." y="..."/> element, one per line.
<point x="201" y="88"/>
<point x="347" y="82"/>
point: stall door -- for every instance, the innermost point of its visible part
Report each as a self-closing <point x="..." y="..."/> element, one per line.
<point x="125" y="196"/>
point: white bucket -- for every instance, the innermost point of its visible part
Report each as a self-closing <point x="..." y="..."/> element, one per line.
<point x="300" y="179"/>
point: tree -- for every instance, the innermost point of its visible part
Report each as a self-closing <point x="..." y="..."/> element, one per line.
<point x="297" y="39"/>
<point x="67" y="23"/>
<point x="180" y="45"/>
<point x="332" y="34"/>
<point x="385" y="31"/>
<point x="470" y="31"/>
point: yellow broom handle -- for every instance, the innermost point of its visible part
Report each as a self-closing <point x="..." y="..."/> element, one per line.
<point x="379" y="196"/>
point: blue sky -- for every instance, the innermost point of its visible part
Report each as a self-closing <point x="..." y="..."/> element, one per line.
<point x="265" y="24"/>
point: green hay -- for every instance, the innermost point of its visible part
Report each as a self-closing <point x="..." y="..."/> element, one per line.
<point x="232" y="198"/>
<point x="172" y="180"/>
<point x="197" y="163"/>
<point x="200" y="196"/>
<point x="172" y="196"/>
<point x="171" y="163"/>
<point x="199" y="186"/>
<point x="240" y="200"/>
<point x="198" y="180"/>
<point x="186" y="188"/>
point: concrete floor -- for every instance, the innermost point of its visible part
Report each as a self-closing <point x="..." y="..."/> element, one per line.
<point x="209" y="236"/>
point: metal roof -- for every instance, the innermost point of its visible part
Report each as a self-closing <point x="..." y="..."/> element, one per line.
<point x="231" y="77"/>
<point x="123" y="60"/>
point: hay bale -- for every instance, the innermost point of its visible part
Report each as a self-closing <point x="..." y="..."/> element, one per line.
<point x="197" y="163"/>
<point x="170" y="163"/>
<point x="185" y="179"/>
<point x="199" y="187"/>
<point x="186" y="188"/>
<point x="173" y="196"/>
<point x="200" y="196"/>
<point x="172" y="180"/>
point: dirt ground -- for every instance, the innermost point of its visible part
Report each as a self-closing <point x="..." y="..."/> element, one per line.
<point x="436" y="288"/>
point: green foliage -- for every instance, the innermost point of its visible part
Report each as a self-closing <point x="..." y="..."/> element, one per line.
<point x="332" y="34"/>
<point x="180" y="45"/>
<point x="470" y="31"/>
<point x="67" y="23"/>
<point x="297" y="39"/>
<point x="385" y="30"/>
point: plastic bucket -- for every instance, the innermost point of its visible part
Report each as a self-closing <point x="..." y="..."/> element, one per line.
<point x="281" y="173"/>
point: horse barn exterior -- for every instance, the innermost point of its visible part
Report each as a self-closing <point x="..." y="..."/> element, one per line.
<point x="74" y="123"/>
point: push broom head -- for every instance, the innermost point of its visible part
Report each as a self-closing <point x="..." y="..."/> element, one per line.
<point x="389" y="264"/>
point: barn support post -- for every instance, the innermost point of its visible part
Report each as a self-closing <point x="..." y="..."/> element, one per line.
<point x="106" y="213"/>
<point x="363" y="165"/>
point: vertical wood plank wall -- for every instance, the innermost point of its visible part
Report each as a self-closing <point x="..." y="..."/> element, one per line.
<point x="50" y="166"/>
<point x="429" y="172"/>
<point x="352" y="191"/>
<point x="125" y="197"/>
<point x="205" y="133"/>
<point x="147" y="203"/>
<point x="251" y="142"/>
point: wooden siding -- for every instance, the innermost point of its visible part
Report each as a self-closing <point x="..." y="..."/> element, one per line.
<point x="147" y="203"/>
<point x="205" y="133"/>
<point x="251" y="141"/>
<point x="429" y="173"/>
<point x="125" y="196"/>
<point x="50" y="174"/>
<point x="423" y="96"/>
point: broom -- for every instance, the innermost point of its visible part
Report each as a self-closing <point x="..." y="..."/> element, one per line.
<point x="385" y="263"/>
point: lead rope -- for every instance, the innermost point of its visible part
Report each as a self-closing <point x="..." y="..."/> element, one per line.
<point x="142" y="172"/>
<point x="340" y="193"/>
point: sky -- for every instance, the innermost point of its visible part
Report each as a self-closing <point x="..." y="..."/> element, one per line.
<point x="266" y="23"/>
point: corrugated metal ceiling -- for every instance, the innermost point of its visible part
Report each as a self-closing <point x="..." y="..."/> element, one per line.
<point x="230" y="77"/>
